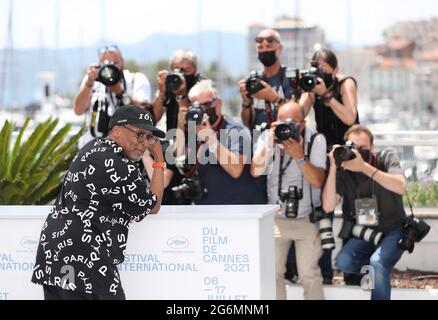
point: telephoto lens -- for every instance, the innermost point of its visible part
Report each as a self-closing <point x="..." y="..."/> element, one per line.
<point x="326" y="232"/>
<point x="174" y="80"/>
<point x="109" y="74"/>
<point x="344" y="153"/>
<point x="287" y="130"/>
<point x="308" y="82"/>
<point x="368" y="234"/>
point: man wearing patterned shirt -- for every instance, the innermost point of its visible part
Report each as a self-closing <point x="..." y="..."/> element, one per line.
<point x="84" y="237"/>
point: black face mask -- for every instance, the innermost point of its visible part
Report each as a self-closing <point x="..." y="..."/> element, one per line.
<point x="191" y="80"/>
<point x="268" y="58"/>
<point x="366" y="155"/>
<point x="212" y="116"/>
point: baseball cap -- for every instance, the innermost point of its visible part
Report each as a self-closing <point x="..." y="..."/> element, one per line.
<point x="137" y="117"/>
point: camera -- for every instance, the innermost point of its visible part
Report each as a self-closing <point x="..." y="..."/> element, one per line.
<point x="291" y="200"/>
<point x="286" y="130"/>
<point x="310" y="79"/>
<point x="414" y="231"/>
<point x="293" y="75"/>
<point x="318" y="215"/>
<point x="109" y="74"/>
<point x="344" y="153"/>
<point x="190" y="189"/>
<point x="368" y="234"/>
<point x="174" y="80"/>
<point x="254" y="83"/>
<point x="195" y="113"/>
<point x="347" y="228"/>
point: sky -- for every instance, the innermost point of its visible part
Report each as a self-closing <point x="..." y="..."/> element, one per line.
<point x="86" y="22"/>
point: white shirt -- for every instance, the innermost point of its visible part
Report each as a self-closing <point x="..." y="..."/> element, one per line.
<point x="137" y="87"/>
<point x="293" y="175"/>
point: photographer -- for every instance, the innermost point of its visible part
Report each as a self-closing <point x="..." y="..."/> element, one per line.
<point x="259" y="110"/>
<point x="224" y="153"/>
<point x="374" y="185"/>
<point x="106" y="87"/>
<point x="334" y="101"/>
<point x="334" y="98"/>
<point x="170" y="98"/>
<point x="174" y="85"/>
<point x="299" y="160"/>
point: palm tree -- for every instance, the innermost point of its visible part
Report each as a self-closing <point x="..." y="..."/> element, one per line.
<point x="31" y="171"/>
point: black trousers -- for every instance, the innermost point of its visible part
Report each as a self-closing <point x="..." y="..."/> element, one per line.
<point x="57" y="293"/>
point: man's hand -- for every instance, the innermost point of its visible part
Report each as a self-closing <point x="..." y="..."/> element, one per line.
<point x="244" y="92"/>
<point x="156" y="151"/>
<point x="294" y="149"/>
<point x="182" y="90"/>
<point x="161" y="82"/>
<point x="92" y="74"/>
<point x="320" y="89"/>
<point x="267" y="93"/>
<point x="205" y="131"/>
<point x="331" y="156"/>
<point x="355" y="165"/>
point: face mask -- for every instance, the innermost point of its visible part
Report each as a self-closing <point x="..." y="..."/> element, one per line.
<point x="190" y="81"/>
<point x="268" y="58"/>
<point x="366" y="155"/>
<point x="212" y="115"/>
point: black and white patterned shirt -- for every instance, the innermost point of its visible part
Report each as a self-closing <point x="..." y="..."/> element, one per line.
<point x="84" y="236"/>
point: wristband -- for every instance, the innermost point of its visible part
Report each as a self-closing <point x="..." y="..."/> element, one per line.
<point x="161" y="165"/>
<point x="372" y="176"/>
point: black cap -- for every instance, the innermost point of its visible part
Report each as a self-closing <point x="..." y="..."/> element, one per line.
<point x="137" y="117"/>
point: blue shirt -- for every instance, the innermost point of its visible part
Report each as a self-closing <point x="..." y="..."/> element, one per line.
<point x="222" y="188"/>
<point x="282" y="86"/>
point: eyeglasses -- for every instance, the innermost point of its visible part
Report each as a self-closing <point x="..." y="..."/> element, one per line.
<point x="208" y="104"/>
<point x="268" y="39"/>
<point x="142" y="137"/>
<point x="110" y="49"/>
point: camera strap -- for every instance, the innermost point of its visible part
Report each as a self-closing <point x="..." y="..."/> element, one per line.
<point x="268" y="112"/>
<point x="282" y="171"/>
<point x="119" y="98"/>
<point x="307" y="157"/>
<point x="268" y="105"/>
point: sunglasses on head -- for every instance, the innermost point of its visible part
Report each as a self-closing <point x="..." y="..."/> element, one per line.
<point x="269" y="39"/>
<point x="104" y="49"/>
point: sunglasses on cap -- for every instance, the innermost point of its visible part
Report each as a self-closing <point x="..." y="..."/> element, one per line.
<point x="104" y="49"/>
<point x="269" y="39"/>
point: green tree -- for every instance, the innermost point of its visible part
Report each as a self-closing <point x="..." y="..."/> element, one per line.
<point x="32" y="168"/>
